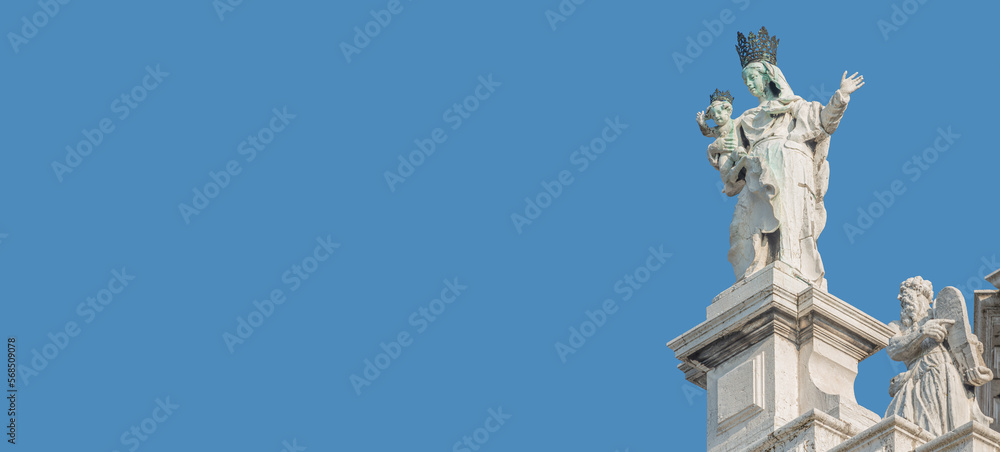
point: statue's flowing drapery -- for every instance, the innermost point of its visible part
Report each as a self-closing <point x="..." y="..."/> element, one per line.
<point x="779" y="211"/>
<point x="931" y="392"/>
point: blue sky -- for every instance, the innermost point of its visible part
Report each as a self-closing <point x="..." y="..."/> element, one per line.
<point x="239" y="168"/>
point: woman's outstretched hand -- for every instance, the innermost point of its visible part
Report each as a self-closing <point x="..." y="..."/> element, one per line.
<point x="851" y="84"/>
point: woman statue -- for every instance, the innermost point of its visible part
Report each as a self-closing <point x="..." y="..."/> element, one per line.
<point x="932" y="393"/>
<point x="781" y="172"/>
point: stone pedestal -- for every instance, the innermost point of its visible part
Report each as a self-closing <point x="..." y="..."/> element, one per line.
<point x="971" y="437"/>
<point x="778" y="358"/>
<point x="895" y="434"/>
<point x="891" y="434"/>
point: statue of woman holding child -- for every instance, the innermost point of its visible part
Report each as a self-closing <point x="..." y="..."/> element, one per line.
<point x="773" y="158"/>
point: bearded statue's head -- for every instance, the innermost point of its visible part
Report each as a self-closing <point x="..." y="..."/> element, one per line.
<point x="915" y="295"/>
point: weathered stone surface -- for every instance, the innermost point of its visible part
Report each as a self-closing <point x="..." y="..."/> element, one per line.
<point x="810" y="432"/>
<point x="773" y="349"/>
<point x="962" y="343"/>
<point x="943" y="360"/>
<point x="895" y="434"/>
<point x="892" y="434"/>
<point x="987" y="328"/>
<point x="971" y="437"/>
<point x="744" y="389"/>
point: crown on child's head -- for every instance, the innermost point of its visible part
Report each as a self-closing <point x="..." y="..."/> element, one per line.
<point x="720" y="96"/>
<point x="762" y="47"/>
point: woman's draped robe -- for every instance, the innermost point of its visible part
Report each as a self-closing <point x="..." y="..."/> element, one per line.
<point x="931" y="392"/>
<point x="779" y="211"/>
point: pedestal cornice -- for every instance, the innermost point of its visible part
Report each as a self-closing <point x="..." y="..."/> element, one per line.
<point x="769" y="309"/>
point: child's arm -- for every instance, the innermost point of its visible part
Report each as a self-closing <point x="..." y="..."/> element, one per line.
<point x="710" y="132"/>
